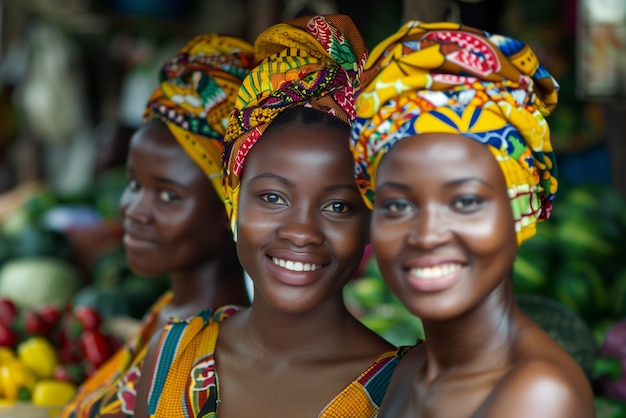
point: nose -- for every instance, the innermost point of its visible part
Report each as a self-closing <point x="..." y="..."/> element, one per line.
<point x="430" y="229"/>
<point x="133" y="206"/>
<point x="301" y="229"/>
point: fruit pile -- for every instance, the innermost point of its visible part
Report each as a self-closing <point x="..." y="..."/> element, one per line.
<point x="46" y="353"/>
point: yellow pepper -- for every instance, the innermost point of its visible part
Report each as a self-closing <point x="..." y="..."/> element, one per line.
<point x="17" y="380"/>
<point x="6" y="354"/>
<point x="50" y="393"/>
<point x="38" y="354"/>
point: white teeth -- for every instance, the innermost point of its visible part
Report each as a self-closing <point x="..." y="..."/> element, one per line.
<point x="436" y="272"/>
<point x="295" y="265"/>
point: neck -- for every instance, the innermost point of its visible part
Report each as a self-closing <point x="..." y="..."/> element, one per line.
<point x="306" y="336"/>
<point x="477" y="341"/>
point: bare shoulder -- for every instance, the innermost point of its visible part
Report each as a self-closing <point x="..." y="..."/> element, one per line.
<point x="541" y="387"/>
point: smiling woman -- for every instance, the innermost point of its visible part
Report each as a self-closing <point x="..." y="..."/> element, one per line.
<point x="453" y="152"/>
<point x="301" y="230"/>
<point x="175" y="223"/>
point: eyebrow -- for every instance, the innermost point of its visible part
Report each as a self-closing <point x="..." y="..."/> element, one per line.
<point x="130" y="171"/>
<point x="280" y="179"/>
<point x="468" y="180"/>
<point x="169" y="181"/>
<point x="286" y="182"/>
<point x="452" y="183"/>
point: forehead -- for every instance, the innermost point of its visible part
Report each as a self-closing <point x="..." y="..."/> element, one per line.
<point x="300" y="144"/>
<point x="420" y="157"/>
<point x="154" y="149"/>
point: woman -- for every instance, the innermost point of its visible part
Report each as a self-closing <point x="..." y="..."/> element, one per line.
<point x="301" y="229"/>
<point x="173" y="214"/>
<point x="451" y="127"/>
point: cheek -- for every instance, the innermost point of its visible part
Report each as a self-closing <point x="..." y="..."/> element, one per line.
<point x="491" y="234"/>
<point x="125" y="201"/>
<point x="387" y="244"/>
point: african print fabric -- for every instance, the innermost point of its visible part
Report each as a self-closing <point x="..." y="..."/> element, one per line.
<point x="450" y="78"/>
<point x="311" y="61"/>
<point x="196" y="95"/>
<point x="185" y="382"/>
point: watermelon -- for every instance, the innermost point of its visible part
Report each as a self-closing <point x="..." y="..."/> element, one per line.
<point x="34" y="281"/>
<point x="578" y="284"/>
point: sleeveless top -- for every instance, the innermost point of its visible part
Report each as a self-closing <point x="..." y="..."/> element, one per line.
<point x="110" y="392"/>
<point x="185" y="384"/>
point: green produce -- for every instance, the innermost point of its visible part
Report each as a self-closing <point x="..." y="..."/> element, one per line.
<point x="609" y="408"/>
<point x="531" y="273"/>
<point x="34" y="281"/>
<point x="578" y="284"/>
<point x="366" y="292"/>
<point x="617" y="302"/>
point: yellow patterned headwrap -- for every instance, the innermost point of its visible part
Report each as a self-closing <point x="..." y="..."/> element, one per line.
<point x="196" y="94"/>
<point x="450" y="78"/>
<point x="310" y="61"/>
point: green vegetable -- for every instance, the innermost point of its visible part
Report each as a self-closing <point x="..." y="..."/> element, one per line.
<point x="34" y="281"/>
<point x="578" y="284"/>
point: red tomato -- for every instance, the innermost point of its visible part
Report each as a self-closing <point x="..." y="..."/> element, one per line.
<point x="88" y="316"/>
<point x="8" y="337"/>
<point x="50" y="313"/>
<point x="70" y="351"/>
<point x="35" y="324"/>
<point x="8" y="311"/>
<point x="96" y="347"/>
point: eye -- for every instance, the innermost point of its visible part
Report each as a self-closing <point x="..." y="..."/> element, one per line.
<point x="273" y="198"/>
<point x="397" y="206"/>
<point x="133" y="185"/>
<point x="167" y="196"/>
<point x="336" y="207"/>
<point x="467" y="203"/>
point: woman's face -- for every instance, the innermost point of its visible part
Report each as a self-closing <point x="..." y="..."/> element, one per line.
<point x="302" y="225"/>
<point x="173" y="219"/>
<point x="442" y="226"/>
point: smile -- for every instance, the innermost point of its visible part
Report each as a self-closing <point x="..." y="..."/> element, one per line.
<point x="435" y="272"/>
<point x="295" y="265"/>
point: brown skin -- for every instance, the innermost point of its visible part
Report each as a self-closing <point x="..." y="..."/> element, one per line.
<point x="297" y="346"/>
<point x="441" y="200"/>
<point x="176" y="225"/>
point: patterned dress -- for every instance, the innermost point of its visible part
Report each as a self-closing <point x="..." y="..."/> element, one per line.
<point x="111" y="392"/>
<point x="185" y="383"/>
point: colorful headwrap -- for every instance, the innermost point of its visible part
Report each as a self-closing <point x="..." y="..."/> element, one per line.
<point x="450" y="78"/>
<point x="310" y="61"/>
<point x="196" y="94"/>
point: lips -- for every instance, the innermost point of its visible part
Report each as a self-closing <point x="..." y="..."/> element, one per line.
<point x="138" y="239"/>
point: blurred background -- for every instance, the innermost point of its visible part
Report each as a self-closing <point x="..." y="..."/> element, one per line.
<point x="75" y="76"/>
